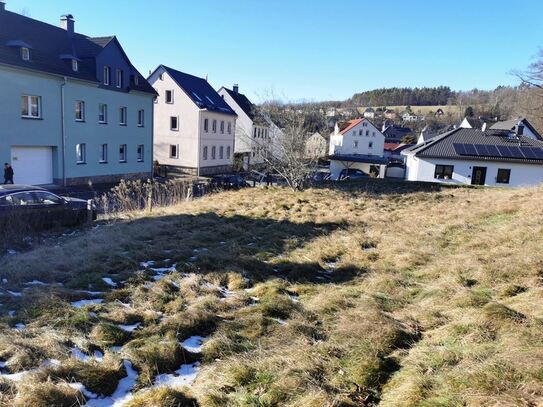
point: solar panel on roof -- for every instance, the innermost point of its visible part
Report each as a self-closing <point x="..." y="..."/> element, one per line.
<point x="515" y="151"/>
<point x="504" y="151"/>
<point x="481" y="149"/>
<point x="538" y="152"/>
<point x="528" y="153"/>
<point x="460" y="149"/>
<point x="493" y="151"/>
<point x="470" y="149"/>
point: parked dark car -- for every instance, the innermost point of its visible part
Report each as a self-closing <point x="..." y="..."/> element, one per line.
<point x="229" y="181"/>
<point x="320" y="176"/>
<point x="352" y="174"/>
<point x="31" y="207"/>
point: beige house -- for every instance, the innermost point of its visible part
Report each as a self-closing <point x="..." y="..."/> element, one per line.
<point x="316" y="146"/>
<point x="193" y="126"/>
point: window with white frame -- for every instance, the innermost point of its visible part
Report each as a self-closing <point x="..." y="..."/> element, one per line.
<point x="360" y="132"/>
<point x="205" y="153"/>
<point x="174" y="123"/>
<point x="107" y="75"/>
<point x="25" y="53"/>
<point x="370" y="145"/>
<point x="367" y="133"/>
<point x="206" y="125"/>
<point x="75" y="65"/>
<point x="221" y="152"/>
<point x="122" y="153"/>
<point x="81" y="153"/>
<point x="31" y="106"/>
<point x="213" y="152"/>
<point x="214" y="126"/>
<point x="356" y="144"/>
<point x="103" y="154"/>
<point x="174" y="151"/>
<point x="228" y="152"/>
<point x="120" y="78"/>
<point x="140" y="151"/>
<point x="364" y="124"/>
<point x="79" y="111"/>
<point x="229" y="128"/>
<point x="122" y="116"/>
<point x="222" y="126"/>
<point x="102" y="113"/>
<point x="141" y="117"/>
<point x="169" y="96"/>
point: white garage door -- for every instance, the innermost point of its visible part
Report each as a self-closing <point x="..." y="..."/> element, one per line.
<point x="32" y="165"/>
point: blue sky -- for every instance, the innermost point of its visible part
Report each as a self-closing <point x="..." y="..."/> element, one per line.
<point x="315" y="49"/>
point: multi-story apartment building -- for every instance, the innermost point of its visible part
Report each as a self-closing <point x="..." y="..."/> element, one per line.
<point x="73" y="107"/>
<point x="194" y="127"/>
<point x="252" y="129"/>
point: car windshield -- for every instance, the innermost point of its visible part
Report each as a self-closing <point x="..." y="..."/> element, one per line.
<point x="32" y="198"/>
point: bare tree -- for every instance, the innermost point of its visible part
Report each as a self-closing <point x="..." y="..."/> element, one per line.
<point x="531" y="97"/>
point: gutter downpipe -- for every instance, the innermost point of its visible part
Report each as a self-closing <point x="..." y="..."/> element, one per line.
<point x="63" y="130"/>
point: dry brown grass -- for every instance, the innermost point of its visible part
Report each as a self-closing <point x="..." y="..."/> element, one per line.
<point x="389" y="294"/>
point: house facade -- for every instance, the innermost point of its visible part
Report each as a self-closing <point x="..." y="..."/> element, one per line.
<point x="316" y="146"/>
<point x="74" y="108"/>
<point x="358" y="144"/>
<point x="252" y="130"/>
<point x="477" y="157"/>
<point x="369" y="113"/>
<point x="194" y="128"/>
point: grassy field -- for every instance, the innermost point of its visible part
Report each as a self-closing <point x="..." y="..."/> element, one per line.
<point x="364" y="295"/>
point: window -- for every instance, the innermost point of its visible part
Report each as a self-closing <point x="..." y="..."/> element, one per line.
<point x="205" y="153"/>
<point x="107" y="75"/>
<point x="140" y="150"/>
<point x="360" y="132"/>
<point x="169" y="96"/>
<point x="367" y="133"/>
<point x="81" y="153"/>
<point x="122" y="153"/>
<point x="228" y="152"/>
<point x="370" y="145"/>
<point x="221" y="152"/>
<point x="373" y="134"/>
<point x="122" y="116"/>
<point x="214" y="126"/>
<point x="161" y="76"/>
<point x="174" y="151"/>
<point x="31" y="106"/>
<point x="25" y="54"/>
<point x="119" y="78"/>
<point x="75" y="65"/>
<point x="206" y="125"/>
<point x="102" y="113"/>
<point x="103" y="154"/>
<point x="254" y="135"/>
<point x="222" y="126"/>
<point x="444" y="172"/>
<point x="46" y="198"/>
<point x="356" y="144"/>
<point x="504" y="175"/>
<point x="213" y="152"/>
<point x="364" y="124"/>
<point x="141" y="117"/>
<point x="79" y="111"/>
<point x="174" y="123"/>
<point x="229" y="128"/>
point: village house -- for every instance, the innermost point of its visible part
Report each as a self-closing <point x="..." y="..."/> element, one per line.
<point x="369" y="113"/>
<point x="74" y="108"/>
<point x="491" y="157"/>
<point x="194" y="127"/>
<point x="252" y="136"/>
<point x="316" y="146"/>
<point x="394" y="133"/>
<point x="390" y="114"/>
<point x="358" y="144"/>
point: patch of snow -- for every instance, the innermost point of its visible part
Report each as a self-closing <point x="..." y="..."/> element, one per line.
<point x="11" y="313"/>
<point x="12" y="252"/>
<point x="116" y="349"/>
<point x="14" y="293"/>
<point x="161" y="270"/>
<point x="184" y="376"/>
<point x="82" y="303"/>
<point x="99" y="356"/>
<point x="147" y="264"/>
<point x="109" y="281"/>
<point x="122" y="394"/>
<point x="83" y="357"/>
<point x="20" y="326"/>
<point x="280" y="321"/>
<point x="194" y="344"/>
<point x="36" y="282"/>
<point x="3" y="364"/>
<point x="294" y="298"/>
<point x="225" y="292"/>
<point x="4" y="281"/>
<point x="93" y="293"/>
<point x="123" y="304"/>
<point x="130" y="328"/>
<point x="16" y="377"/>
<point x="193" y="258"/>
<point x="83" y="390"/>
<point x="50" y="362"/>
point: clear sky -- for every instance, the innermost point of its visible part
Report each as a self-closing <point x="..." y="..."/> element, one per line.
<point x="315" y="49"/>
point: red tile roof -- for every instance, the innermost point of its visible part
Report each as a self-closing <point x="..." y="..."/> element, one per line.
<point x="350" y="125"/>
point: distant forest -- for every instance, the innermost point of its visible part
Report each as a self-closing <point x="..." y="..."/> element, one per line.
<point x="442" y="95"/>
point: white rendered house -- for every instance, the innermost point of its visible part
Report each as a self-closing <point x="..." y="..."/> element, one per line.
<point x="358" y="145"/>
<point x="194" y="127"/>
<point x="473" y="156"/>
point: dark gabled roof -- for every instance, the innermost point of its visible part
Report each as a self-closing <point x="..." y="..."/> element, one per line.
<point x="511" y="125"/>
<point x="52" y="48"/>
<point x="396" y="133"/>
<point x="442" y="146"/>
<point x="359" y="158"/>
<point x="244" y="103"/>
<point x="199" y="91"/>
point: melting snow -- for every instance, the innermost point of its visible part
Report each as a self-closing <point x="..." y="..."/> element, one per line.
<point x="294" y="298"/>
<point x="280" y="321"/>
<point x="36" y="282"/>
<point x="81" y="387"/>
<point x="12" y="252"/>
<point x="194" y="344"/>
<point x="123" y="392"/>
<point x="3" y="364"/>
<point x="130" y="328"/>
<point x="20" y="326"/>
<point x="109" y="282"/>
<point x="184" y="376"/>
<point x="147" y="264"/>
<point x="11" y="313"/>
<point x="14" y="293"/>
<point x="82" y="303"/>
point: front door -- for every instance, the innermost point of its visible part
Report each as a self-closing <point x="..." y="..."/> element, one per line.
<point x="478" y="177"/>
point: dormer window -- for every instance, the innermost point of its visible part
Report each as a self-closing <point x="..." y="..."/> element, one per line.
<point x="75" y="65"/>
<point x="25" y="53"/>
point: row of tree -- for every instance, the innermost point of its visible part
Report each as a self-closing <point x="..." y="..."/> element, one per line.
<point x="440" y="95"/>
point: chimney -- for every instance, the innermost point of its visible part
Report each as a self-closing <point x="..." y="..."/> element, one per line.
<point x="2" y="5"/>
<point x="235" y="88"/>
<point x="67" y="23"/>
<point x="484" y="127"/>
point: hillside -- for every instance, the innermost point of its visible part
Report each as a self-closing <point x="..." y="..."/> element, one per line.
<point x="372" y="294"/>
